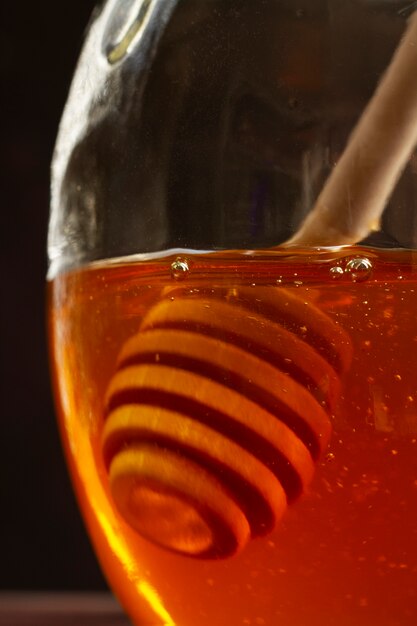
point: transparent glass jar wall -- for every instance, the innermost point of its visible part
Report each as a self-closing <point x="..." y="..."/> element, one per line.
<point x="215" y="124"/>
<point x="201" y="338"/>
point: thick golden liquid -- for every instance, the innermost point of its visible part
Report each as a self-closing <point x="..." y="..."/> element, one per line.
<point x="345" y="553"/>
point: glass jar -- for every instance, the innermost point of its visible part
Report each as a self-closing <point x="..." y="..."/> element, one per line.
<point x="232" y="288"/>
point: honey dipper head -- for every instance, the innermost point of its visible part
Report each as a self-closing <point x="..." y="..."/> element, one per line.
<point x="176" y="504"/>
<point x="216" y="415"/>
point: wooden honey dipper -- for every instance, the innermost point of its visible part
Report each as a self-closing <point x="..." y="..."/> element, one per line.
<point x="217" y="413"/>
<point x="352" y="201"/>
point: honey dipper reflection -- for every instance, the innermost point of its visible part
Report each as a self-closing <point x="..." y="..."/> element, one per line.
<point x="218" y="411"/>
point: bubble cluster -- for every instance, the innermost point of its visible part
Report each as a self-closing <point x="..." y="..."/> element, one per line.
<point x="357" y="269"/>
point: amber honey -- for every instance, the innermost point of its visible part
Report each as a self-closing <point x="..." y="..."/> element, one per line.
<point x="342" y="547"/>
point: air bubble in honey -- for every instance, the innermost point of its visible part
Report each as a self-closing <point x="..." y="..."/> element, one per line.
<point x="180" y="269"/>
<point x="336" y="271"/>
<point x="359" y="268"/>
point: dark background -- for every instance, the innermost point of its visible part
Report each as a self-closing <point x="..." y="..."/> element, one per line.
<point x="43" y="542"/>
